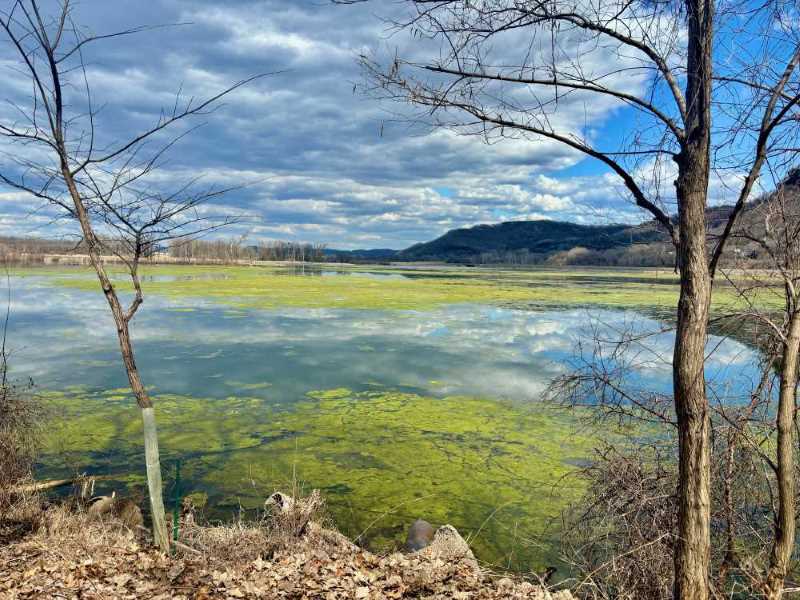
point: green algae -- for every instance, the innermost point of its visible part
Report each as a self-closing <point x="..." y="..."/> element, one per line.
<point x="500" y="473"/>
<point x="271" y="287"/>
<point x="241" y="385"/>
<point x="333" y="394"/>
<point x="97" y="363"/>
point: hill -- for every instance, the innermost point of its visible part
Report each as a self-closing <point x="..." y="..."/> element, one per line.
<point x="529" y="241"/>
<point x="565" y="243"/>
<point x="778" y="209"/>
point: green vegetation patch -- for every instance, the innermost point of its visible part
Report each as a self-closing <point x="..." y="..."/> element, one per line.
<point x="499" y="473"/>
<point x="273" y="287"/>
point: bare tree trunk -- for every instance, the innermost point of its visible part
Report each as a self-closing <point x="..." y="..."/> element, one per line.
<point x="151" y="454"/>
<point x="153" y="467"/>
<point x="783" y="543"/>
<point x="691" y="404"/>
<point x="692" y="553"/>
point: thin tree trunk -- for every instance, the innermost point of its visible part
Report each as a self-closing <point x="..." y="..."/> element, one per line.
<point x="151" y="454"/>
<point x="729" y="559"/>
<point x="783" y="543"/>
<point x="152" y="461"/>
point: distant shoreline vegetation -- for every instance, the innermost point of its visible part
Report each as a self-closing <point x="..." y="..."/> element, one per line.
<point x="513" y="243"/>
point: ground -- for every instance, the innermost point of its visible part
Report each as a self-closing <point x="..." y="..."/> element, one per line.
<point x="70" y="555"/>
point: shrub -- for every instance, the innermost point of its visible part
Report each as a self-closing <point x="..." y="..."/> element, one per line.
<point x="20" y="425"/>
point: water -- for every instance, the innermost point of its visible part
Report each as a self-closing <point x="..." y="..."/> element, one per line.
<point x="371" y="406"/>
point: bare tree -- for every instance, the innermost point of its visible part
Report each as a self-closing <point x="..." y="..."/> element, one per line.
<point x="62" y="157"/>
<point x="513" y="69"/>
<point x="753" y="494"/>
<point x="773" y="224"/>
<point x="620" y="535"/>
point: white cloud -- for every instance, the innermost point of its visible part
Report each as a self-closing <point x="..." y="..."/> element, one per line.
<point x="318" y="160"/>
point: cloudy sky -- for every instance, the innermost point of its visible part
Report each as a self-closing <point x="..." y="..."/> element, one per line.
<point x="321" y="161"/>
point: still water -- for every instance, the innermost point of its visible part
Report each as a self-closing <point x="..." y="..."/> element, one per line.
<point x="394" y="414"/>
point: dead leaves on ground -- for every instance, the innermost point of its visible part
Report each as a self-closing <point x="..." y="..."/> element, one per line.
<point x="118" y="567"/>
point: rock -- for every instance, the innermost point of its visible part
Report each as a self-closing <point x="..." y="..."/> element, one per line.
<point x="124" y="509"/>
<point x="279" y="503"/>
<point x="420" y="535"/>
<point x="129" y="513"/>
<point x="449" y="546"/>
<point x="100" y="505"/>
<point x="292" y="515"/>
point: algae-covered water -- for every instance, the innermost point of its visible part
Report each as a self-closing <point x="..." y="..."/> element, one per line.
<point x="399" y="394"/>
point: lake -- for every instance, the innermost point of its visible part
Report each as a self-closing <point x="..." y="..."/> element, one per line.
<point x="399" y="393"/>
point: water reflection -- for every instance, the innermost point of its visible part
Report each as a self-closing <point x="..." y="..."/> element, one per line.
<point x="64" y="337"/>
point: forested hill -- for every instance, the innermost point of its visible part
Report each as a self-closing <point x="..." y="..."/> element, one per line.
<point x="529" y="240"/>
<point x="564" y="243"/>
<point x="523" y="242"/>
<point x="555" y="242"/>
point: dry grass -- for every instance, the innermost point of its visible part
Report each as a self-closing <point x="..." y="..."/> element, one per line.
<point x="285" y="520"/>
<point x="20" y="425"/>
<point x="287" y="554"/>
<point x="21" y="418"/>
<point x="233" y="543"/>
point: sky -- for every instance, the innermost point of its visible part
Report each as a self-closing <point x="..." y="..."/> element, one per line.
<point x="319" y="159"/>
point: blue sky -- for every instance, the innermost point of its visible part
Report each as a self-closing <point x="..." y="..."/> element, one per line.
<point x="322" y="163"/>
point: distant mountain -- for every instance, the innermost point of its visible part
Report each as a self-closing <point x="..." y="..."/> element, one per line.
<point x="564" y="243"/>
<point x="538" y="238"/>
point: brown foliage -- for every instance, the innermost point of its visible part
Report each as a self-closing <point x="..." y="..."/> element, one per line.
<point x="621" y="541"/>
<point x="20" y="423"/>
<point x="72" y="555"/>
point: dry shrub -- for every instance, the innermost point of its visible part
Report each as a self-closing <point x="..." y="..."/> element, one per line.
<point x="621" y="537"/>
<point x="284" y="524"/>
<point x="20" y="425"/>
<point x="232" y="543"/>
<point x="620" y="542"/>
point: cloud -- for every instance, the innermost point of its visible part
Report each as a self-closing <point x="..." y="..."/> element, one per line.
<point x="318" y="161"/>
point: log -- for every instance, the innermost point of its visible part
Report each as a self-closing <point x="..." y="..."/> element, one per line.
<point x="41" y="486"/>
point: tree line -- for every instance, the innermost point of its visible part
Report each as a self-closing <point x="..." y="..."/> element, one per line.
<point x="227" y="250"/>
<point x="235" y="249"/>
